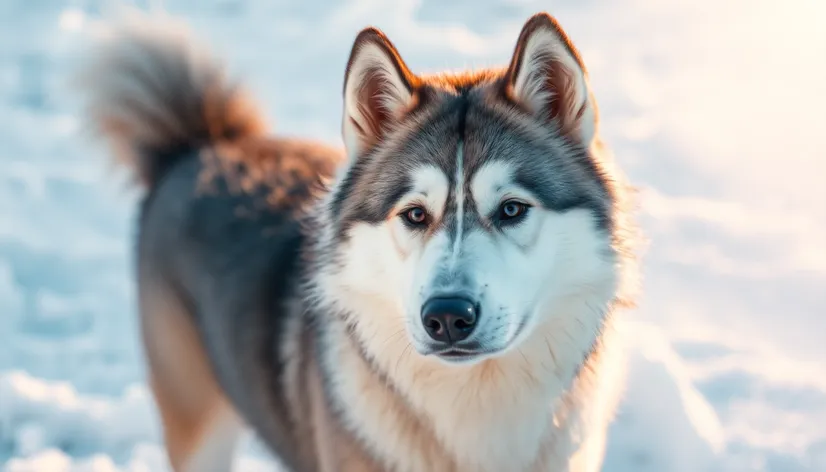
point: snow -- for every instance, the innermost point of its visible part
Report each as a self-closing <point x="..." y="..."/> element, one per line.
<point x="715" y="109"/>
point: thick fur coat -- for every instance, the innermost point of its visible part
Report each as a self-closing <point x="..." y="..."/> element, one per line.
<point x="441" y="296"/>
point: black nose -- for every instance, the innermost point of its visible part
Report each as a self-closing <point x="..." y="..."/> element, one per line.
<point x="449" y="320"/>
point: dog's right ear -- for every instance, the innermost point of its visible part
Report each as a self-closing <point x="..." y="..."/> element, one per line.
<point x="378" y="88"/>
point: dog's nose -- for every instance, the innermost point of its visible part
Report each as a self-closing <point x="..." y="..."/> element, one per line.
<point x="449" y="319"/>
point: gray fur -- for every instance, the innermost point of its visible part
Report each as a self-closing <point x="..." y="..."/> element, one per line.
<point x="563" y="173"/>
<point x="235" y="226"/>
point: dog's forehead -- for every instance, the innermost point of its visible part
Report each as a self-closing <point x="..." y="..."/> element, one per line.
<point x="429" y="180"/>
<point x="466" y="149"/>
<point x="486" y="133"/>
<point x="470" y="150"/>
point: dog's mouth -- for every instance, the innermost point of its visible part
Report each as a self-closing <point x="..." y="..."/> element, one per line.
<point x="457" y="354"/>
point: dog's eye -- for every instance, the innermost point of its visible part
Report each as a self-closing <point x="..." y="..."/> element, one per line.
<point x="416" y="216"/>
<point x="512" y="210"/>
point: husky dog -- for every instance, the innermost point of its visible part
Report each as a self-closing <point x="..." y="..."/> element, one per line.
<point x="438" y="297"/>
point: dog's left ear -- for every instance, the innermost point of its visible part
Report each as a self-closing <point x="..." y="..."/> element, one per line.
<point x="548" y="78"/>
<point x="378" y="88"/>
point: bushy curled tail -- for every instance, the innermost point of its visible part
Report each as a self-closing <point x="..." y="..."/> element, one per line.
<point x="155" y="94"/>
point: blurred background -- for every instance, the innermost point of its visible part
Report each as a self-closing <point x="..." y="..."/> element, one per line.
<point x="716" y="110"/>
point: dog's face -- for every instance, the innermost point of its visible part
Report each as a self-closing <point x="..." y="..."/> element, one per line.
<point x="473" y="211"/>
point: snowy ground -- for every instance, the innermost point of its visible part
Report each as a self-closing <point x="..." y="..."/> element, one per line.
<point x="714" y="108"/>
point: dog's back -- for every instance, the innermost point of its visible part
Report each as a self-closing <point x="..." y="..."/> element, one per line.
<point x="219" y="238"/>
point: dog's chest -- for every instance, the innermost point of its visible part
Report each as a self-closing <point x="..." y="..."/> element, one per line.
<point x="447" y="429"/>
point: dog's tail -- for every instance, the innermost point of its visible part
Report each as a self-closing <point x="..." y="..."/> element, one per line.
<point x="155" y="94"/>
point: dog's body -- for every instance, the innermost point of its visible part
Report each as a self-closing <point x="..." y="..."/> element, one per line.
<point x="445" y="306"/>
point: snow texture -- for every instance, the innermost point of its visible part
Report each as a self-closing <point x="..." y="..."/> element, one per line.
<point x="715" y="109"/>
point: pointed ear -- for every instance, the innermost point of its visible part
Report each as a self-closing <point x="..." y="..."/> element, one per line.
<point x="378" y="88"/>
<point x="547" y="76"/>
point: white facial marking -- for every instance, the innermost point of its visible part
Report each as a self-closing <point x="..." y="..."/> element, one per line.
<point x="429" y="188"/>
<point x="488" y="183"/>
<point x="459" y="194"/>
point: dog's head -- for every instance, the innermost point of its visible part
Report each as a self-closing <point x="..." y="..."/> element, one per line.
<point x="474" y="209"/>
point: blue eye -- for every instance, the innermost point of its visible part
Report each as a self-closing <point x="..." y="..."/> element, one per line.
<point x="512" y="210"/>
<point x="416" y="216"/>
